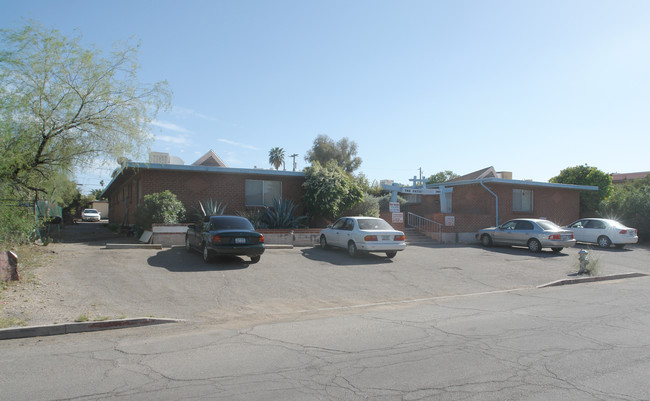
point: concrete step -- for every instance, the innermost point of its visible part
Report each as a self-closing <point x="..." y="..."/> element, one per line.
<point x="414" y="237"/>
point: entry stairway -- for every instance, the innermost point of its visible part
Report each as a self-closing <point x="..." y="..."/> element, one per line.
<point x="414" y="237"/>
<point x="415" y="227"/>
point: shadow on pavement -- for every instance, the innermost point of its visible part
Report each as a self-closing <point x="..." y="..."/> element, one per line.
<point x="340" y="257"/>
<point x="523" y="251"/>
<point x="591" y="247"/>
<point x="93" y="234"/>
<point x="177" y="259"/>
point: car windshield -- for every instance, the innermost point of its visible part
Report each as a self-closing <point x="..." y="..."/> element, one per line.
<point x="548" y="225"/>
<point x="373" y="224"/>
<point x="230" y="223"/>
<point x="90" y="211"/>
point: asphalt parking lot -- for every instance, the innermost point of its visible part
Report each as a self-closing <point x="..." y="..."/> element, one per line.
<point x="86" y="278"/>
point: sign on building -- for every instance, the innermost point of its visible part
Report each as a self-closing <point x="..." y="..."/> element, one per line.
<point x="393" y="207"/>
<point x="398" y="217"/>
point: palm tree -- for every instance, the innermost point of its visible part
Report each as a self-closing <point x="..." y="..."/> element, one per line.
<point x="276" y="157"/>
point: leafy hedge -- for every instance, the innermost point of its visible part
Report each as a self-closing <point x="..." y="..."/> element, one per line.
<point x="161" y="208"/>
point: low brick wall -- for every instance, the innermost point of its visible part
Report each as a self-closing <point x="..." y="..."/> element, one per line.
<point x="168" y="235"/>
<point x="174" y="234"/>
<point x="295" y="237"/>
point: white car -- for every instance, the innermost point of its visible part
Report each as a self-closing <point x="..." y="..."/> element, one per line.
<point x="603" y="232"/>
<point x="363" y="234"/>
<point x="90" y="215"/>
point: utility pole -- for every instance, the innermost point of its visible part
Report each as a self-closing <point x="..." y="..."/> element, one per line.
<point x="294" y="160"/>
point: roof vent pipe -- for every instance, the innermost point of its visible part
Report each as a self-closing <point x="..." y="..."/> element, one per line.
<point x="496" y="224"/>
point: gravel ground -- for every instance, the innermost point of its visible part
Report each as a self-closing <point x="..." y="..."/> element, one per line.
<point x="41" y="296"/>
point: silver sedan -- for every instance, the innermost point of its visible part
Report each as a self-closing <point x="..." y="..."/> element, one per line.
<point x="532" y="233"/>
<point x="363" y="234"/>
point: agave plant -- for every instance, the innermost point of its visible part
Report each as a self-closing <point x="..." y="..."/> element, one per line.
<point x="281" y="214"/>
<point x="209" y="208"/>
<point x="256" y="217"/>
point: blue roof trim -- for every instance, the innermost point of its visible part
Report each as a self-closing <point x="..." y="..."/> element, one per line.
<point x="208" y="169"/>
<point x="515" y="182"/>
<point x="214" y="169"/>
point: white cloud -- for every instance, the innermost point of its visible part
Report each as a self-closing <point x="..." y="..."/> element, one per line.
<point x="241" y="145"/>
<point x="169" y="126"/>
<point x="178" y="140"/>
<point x="185" y="113"/>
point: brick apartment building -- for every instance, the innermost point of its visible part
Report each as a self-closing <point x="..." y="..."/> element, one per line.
<point x="207" y="178"/>
<point x="487" y="198"/>
<point x="481" y="199"/>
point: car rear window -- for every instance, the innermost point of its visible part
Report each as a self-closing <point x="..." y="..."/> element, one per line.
<point x="373" y="224"/>
<point x="230" y="223"/>
<point x="616" y="224"/>
<point x="548" y="225"/>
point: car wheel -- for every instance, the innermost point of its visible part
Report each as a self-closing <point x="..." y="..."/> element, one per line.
<point x="604" y="242"/>
<point x="352" y="249"/>
<point x="534" y="245"/>
<point x="207" y="257"/>
<point x="323" y="242"/>
<point x="486" y="240"/>
<point x="255" y="259"/>
<point x="188" y="247"/>
<point x="557" y="250"/>
<point x="391" y="254"/>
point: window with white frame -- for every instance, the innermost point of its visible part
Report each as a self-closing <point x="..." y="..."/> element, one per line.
<point x="522" y="200"/>
<point x="262" y="193"/>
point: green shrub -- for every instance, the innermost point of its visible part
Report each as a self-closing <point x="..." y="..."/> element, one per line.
<point x="161" y="208"/>
<point x="385" y="200"/>
<point x="369" y="206"/>
<point x="329" y="191"/>
<point x="630" y="204"/>
<point x="17" y="224"/>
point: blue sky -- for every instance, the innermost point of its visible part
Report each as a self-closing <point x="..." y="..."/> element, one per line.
<point x="530" y="87"/>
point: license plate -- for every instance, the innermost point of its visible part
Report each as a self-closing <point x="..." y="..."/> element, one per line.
<point x="240" y="240"/>
<point x="385" y="237"/>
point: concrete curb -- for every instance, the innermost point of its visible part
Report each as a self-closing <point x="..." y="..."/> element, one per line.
<point x="133" y="246"/>
<point x="278" y="246"/>
<point x="80" y="327"/>
<point x="591" y="279"/>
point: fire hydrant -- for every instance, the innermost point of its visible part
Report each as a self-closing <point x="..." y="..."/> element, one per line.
<point x="582" y="257"/>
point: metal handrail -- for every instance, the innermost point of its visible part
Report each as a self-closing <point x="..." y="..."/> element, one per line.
<point x="424" y="225"/>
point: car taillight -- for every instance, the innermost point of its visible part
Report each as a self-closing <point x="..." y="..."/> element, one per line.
<point x="370" y="238"/>
<point x="400" y="238"/>
<point x="555" y="236"/>
<point x="216" y="239"/>
<point x="261" y="239"/>
<point x="623" y="232"/>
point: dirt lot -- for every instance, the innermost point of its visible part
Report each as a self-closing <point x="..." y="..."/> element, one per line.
<point x="82" y="279"/>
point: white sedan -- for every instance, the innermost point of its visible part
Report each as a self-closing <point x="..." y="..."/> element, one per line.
<point x="603" y="232"/>
<point x="90" y="215"/>
<point x="363" y="234"/>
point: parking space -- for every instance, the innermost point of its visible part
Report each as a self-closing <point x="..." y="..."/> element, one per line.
<point x="173" y="283"/>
